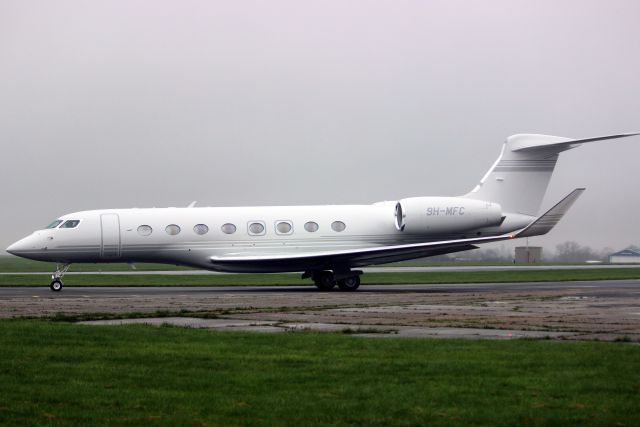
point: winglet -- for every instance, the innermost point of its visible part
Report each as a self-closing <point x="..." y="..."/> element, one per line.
<point x="546" y="222"/>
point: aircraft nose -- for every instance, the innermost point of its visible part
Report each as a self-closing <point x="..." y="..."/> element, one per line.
<point x="17" y="247"/>
<point x="24" y="246"/>
<point x="31" y="247"/>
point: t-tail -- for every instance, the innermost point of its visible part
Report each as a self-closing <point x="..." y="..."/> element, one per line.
<point x="519" y="178"/>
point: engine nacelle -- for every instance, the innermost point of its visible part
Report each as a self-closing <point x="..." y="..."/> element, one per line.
<point x="445" y="215"/>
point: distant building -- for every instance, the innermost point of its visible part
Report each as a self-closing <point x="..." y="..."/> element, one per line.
<point x="528" y="254"/>
<point x="626" y="256"/>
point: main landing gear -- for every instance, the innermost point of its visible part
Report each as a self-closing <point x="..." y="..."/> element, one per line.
<point x="56" y="278"/>
<point x="347" y="281"/>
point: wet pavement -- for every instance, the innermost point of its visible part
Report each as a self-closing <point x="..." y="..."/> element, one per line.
<point x="587" y="310"/>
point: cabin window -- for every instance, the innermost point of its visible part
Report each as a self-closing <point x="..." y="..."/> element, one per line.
<point x="284" y="227"/>
<point x="228" y="228"/>
<point x="338" y="226"/>
<point x="311" y="226"/>
<point x="256" y="228"/>
<point x="55" y="223"/>
<point x="172" y="229"/>
<point x="200" y="229"/>
<point x="145" y="230"/>
<point x="72" y="223"/>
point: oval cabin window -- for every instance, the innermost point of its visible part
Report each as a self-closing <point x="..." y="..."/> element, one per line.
<point x="338" y="226"/>
<point x="172" y="229"/>
<point x="145" y="230"/>
<point x="311" y="226"/>
<point x="228" y="228"/>
<point x="284" y="227"/>
<point x="200" y="229"/>
<point x="256" y="228"/>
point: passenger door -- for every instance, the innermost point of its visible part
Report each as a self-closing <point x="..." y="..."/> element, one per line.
<point x="110" y="228"/>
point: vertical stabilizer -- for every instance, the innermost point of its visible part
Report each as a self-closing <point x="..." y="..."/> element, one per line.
<point x="519" y="178"/>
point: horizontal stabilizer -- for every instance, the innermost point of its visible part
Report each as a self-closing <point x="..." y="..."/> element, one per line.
<point x="546" y="222"/>
<point x="524" y="143"/>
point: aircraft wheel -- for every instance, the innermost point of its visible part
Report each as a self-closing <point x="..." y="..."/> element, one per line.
<point x="349" y="284"/>
<point x="324" y="281"/>
<point x="56" y="286"/>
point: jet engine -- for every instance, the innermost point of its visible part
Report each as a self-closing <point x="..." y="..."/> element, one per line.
<point x="445" y="215"/>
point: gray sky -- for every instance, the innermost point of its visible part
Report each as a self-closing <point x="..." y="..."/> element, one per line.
<point x="158" y="103"/>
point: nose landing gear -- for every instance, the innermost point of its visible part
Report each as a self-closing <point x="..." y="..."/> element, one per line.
<point x="56" y="277"/>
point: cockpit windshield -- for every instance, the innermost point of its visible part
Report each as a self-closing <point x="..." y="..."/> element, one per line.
<point x="72" y="223"/>
<point x="54" y="224"/>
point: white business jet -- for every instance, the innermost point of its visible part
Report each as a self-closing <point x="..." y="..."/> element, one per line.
<point x="327" y="243"/>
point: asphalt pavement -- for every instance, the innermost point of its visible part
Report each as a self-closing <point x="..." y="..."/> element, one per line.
<point x="434" y="269"/>
<point x="212" y="291"/>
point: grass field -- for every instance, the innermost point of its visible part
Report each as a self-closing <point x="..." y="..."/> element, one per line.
<point x="294" y="279"/>
<point x="57" y="374"/>
<point x="10" y="264"/>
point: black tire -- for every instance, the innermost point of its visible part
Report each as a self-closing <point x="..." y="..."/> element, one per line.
<point x="56" y="286"/>
<point x="324" y="280"/>
<point x="349" y="284"/>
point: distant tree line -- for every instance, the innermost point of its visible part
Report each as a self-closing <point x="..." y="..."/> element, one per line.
<point x="568" y="251"/>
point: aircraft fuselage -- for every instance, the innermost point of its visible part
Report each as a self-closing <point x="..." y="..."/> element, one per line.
<point x="192" y="236"/>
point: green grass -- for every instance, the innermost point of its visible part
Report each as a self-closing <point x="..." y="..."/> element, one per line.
<point x="9" y="264"/>
<point x="156" y="280"/>
<point x="62" y="374"/>
<point x="294" y="279"/>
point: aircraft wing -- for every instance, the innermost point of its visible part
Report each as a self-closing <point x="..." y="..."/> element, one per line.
<point x="382" y="254"/>
<point x="349" y="257"/>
